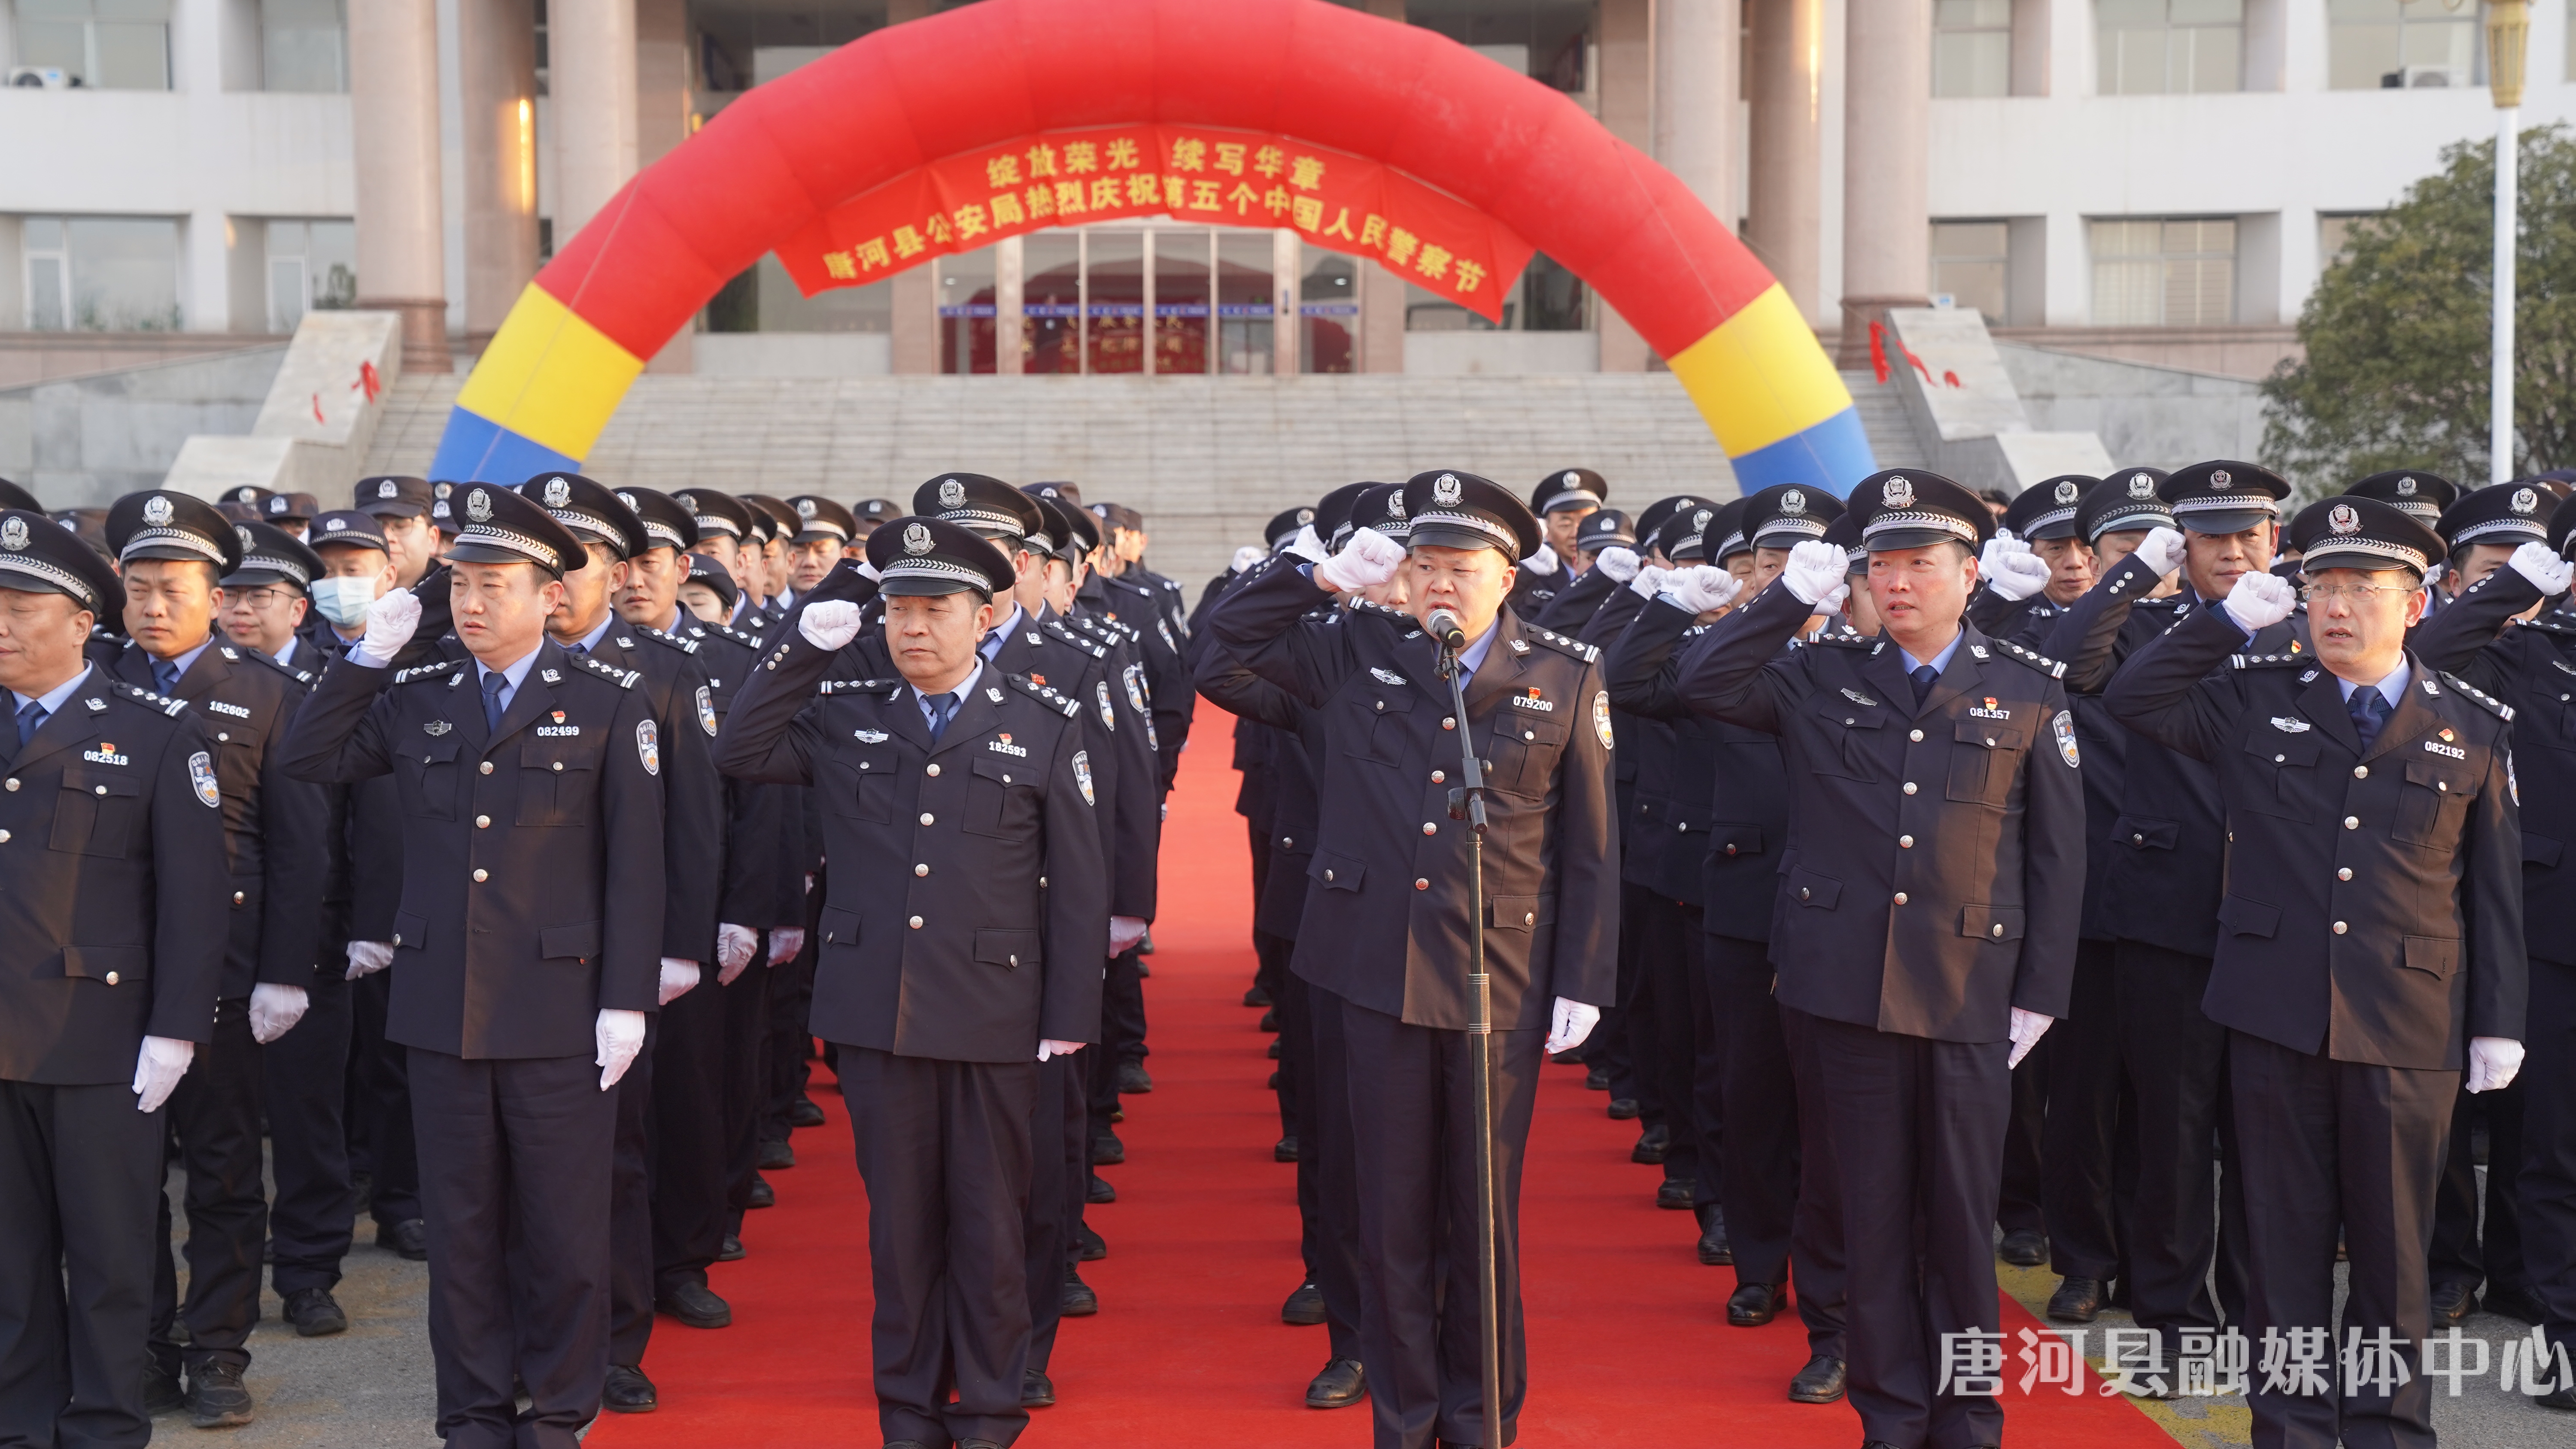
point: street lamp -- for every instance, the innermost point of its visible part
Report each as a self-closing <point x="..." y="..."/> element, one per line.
<point x="2508" y="40"/>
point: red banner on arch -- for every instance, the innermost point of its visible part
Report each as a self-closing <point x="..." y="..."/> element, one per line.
<point x="1199" y="174"/>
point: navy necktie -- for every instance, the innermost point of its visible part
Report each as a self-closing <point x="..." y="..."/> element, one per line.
<point x="165" y="676"/>
<point x="31" y="717"/>
<point x="943" y="707"/>
<point x="2369" y="712"/>
<point x="1924" y="677"/>
<point x="493" y="683"/>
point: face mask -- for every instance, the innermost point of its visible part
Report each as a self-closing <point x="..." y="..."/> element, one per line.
<point x="344" y="601"/>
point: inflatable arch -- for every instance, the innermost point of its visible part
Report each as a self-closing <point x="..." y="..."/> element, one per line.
<point x="1365" y="135"/>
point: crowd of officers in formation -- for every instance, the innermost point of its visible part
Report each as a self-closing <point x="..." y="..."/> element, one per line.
<point x="2121" y="868"/>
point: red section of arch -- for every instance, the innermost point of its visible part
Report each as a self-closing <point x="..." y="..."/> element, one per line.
<point x="777" y="161"/>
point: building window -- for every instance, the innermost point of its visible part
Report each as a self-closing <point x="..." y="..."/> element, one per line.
<point x="1546" y="40"/>
<point x="102" y="274"/>
<point x="2164" y="273"/>
<point x="1972" y="262"/>
<point x="2334" y="236"/>
<point x="1328" y="310"/>
<point x="304" y="45"/>
<point x="2400" y="44"/>
<point x="1545" y="298"/>
<point x="312" y="267"/>
<point x="119" y="45"/>
<point x="1972" y="47"/>
<point x="2170" y="47"/>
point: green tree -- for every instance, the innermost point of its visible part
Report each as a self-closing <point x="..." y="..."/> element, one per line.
<point x="2397" y="333"/>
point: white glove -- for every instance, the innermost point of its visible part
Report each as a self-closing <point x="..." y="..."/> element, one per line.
<point x="2027" y="1028"/>
<point x="1048" y="1049"/>
<point x="1542" y="563"/>
<point x="1815" y="569"/>
<point x="1308" y="545"/>
<point x="2493" y="1060"/>
<point x="274" y="1010"/>
<point x="1997" y="547"/>
<point x="1621" y="564"/>
<point x="678" y="978"/>
<point x="784" y="943"/>
<point x="1368" y="560"/>
<point x="1650" y="580"/>
<point x="1124" y="931"/>
<point x="734" y="945"/>
<point x="368" y="957"/>
<point x="158" y="1068"/>
<point x="621" y="1036"/>
<point x="1833" y="603"/>
<point x="831" y="624"/>
<point x="1701" y="587"/>
<point x="1571" y="1022"/>
<point x="2541" y="564"/>
<point x="2434" y="574"/>
<point x="867" y="570"/>
<point x="390" y="621"/>
<point x="2162" y="550"/>
<point x="2259" y="601"/>
<point x="2012" y="570"/>
<point x="1249" y="557"/>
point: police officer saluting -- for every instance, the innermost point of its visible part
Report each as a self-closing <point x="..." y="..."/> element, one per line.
<point x="531" y="799"/>
<point x="960" y="946"/>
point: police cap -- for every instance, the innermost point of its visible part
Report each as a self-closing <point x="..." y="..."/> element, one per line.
<point x="249" y="495"/>
<point x="706" y="570"/>
<point x="13" y="496"/>
<point x="1786" y="515"/>
<point x="1051" y="533"/>
<point x="163" y="524"/>
<point x="1604" y="528"/>
<point x="1904" y="508"/>
<point x="1568" y="488"/>
<point x="2047" y="508"/>
<point x="1071" y="492"/>
<point x="1283" y="526"/>
<point x="1719" y="530"/>
<point x="271" y="555"/>
<point x="1333" y="514"/>
<point x="818" y="517"/>
<point x="2224" y="496"/>
<point x="989" y="506"/>
<point x="590" y="510"/>
<point x="917" y="556"/>
<point x="347" y="528"/>
<point x="1381" y="508"/>
<point x="284" y="508"/>
<point x="395" y="496"/>
<point x="1451" y="509"/>
<point x="782" y="519"/>
<point x="1081" y="531"/>
<point x="716" y="514"/>
<point x="2505" y="513"/>
<point x="666" y="523"/>
<point x="2128" y="501"/>
<point x="1844" y="533"/>
<point x="502" y="526"/>
<point x="2421" y="496"/>
<point x="2358" y="532"/>
<point x="872" y="511"/>
<point x="38" y="558"/>
<point x="1650" y="522"/>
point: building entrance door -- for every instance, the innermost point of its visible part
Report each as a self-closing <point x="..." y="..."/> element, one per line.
<point x="1166" y="300"/>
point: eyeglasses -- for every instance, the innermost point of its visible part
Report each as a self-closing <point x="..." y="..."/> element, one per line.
<point x="2354" y="593"/>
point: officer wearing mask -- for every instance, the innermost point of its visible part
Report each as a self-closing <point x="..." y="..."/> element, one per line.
<point x="531" y="800"/>
<point x="357" y="569"/>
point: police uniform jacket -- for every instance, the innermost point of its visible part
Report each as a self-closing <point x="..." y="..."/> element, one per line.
<point x="1149" y="670"/>
<point x="2373" y="908"/>
<point x="1386" y="923"/>
<point x="693" y="797"/>
<point x="526" y="850"/>
<point x="760" y="891"/>
<point x="276" y="827"/>
<point x="1293" y="741"/>
<point x="1575" y="604"/>
<point x="1940" y="848"/>
<point x="113" y="892"/>
<point x="2025" y="621"/>
<point x="967" y="913"/>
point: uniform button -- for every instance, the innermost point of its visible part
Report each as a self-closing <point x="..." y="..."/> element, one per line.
<point x="2352" y="822"/>
<point x="1287" y="842"/>
<point x="397" y="938"/>
<point x="1804" y="893"/>
<point x="934" y="770"/>
<point x="482" y="822"/>
<point x="2280" y="759"/>
<point x="1909" y="787"/>
<point x="4" y="837"/>
<point x="1900" y="898"/>
<point x="1529" y="918"/>
<point x="925" y="817"/>
<point x="100" y="789"/>
<point x="1730" y="850"/>
<point x="1905" y="842"/>
<point x="1529" y="734"/>
<point x="1915" y="735"/>
<point x="13" y="787"/>
<point x="1448" y="721"/>
<point x="237" y="898"/>
<point x="1430" y="829"/>
<point x="921" y="870"/>
<point x="2344" y="874"/>
<point x="1421" y="883"/>
<point x="2137" y="840"/>
<point x="863" y="764"/>
<point x="915" y="923"/>
<point x="2442" y="785"/>
<point x="112" y="978"/>
<point x="482" y="875"/>
<point x="1015" y="960"/>
<point x="2361" y="772"/>
<point x="1847" y="719"/>
<point x="1999" y="930"/>
<point x="1439" y="777"/>
<point x="1328" y="875"/>
<point x="223" y="737"/>
<point x="558" y="767"/>
<point x="2339" y="928"/>
<point x="487" y="767"/>
<point x="1041" y="882"/>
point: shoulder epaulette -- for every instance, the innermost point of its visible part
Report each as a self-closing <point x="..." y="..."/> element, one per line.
<point x="1057" y="629"/>
<point x="685" y="646"/>
<point x="625" y="678"/>
<point x="857" y="686"/>
<point x="2281" y="660"/>
<point x="1047" y="695"/>
<point x="2495" y="706"/>
<point x="2053" y="668"/>
<point x="747" y="640"/>
<point x="1364" y="606"/>
<point x="300" y="676"/>
<point x="160" y="703"/>
<point x="1566" y="644"/>
<point x="1844" y="637"/>
<point x="427" y="671"/>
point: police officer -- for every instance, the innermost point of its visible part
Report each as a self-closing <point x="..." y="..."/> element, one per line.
<point x="2370" y="946"/>
<point x="2034" y="566"/>
<point x="1385" y="931"/>
<point x="724" y="533"/>
<point x="113" y="934"/>
<point x="869" y="512"/>
<point x="776" y="568"/>
<point x="1601" y="529"/>
<point x="531" y="800"/>
<point x="824" y="531"/>
<point x="1923" y="973"/>
<point x="356" y="570"/>
<point x="268" y="598"/>
<point x="959" y="949"/>
<point x="400" y="506"/>
<point x="1561" y="501"/>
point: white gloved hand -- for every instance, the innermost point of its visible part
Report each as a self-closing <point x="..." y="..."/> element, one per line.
<point x="2162" y="549"/>
<point x="1124" y="932"/>
<point x="1249" y="557"/>
<point x="390" y="622"/>
<point x="1542" y="563"/>
<point x="2541" y="564"/>
<point x="368" y="957"/>
<point x="2493" y="1060"/>
<point x="734" y="945"/>
<point x="1701" y="587"/>
<point x="784" y="943"/>
<point x="1369" y="559"/>
<point x="158" y="1068"/>
<point x="1833" y="603"/>
<point x="1815" y="569"/>
<point x="2259" y="601"/>
<point x="679" y="978"/>
<point x="1997" y="547"/>
<point x="1308" y="545"/>
<point x="831" y="624"/>
<point x="1569" y="1024"/>
<point x="1621" y="564"/>
<point x="2027" y="1028"/>
<point x="1048" y="1049"/>
<point x="2014" y="571"/>
<point x="1650" y="580"/>
<point x="621" y="1036"/>
<point x="275" y="1009"/>
<point x="866" y="570"/>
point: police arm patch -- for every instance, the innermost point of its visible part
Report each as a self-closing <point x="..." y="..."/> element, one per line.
<point x="706" y="711"/>
<point x="648" y="746"/>
<point x="201" y="777"/>
<point x="2064" y="726"/>
<point x="1082" y="775"/>
<point x="1601" y="717"/>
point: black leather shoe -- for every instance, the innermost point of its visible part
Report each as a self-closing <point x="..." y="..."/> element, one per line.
<point x="408" y="1238"/>
<point x="2077" y="1300"/>
<point x="1342" y="1384"/>
<point x="1079" y="1300"/>
<point x="1037" y="1391"/>
<point x="1820" y="1382"/>
<point x="2453" y="1302"/>
<point x="2514" y="1303"/>
<point x="1597" y="1079"/>
<point x="762" y="1194"/>
<point x="1094" y="1247"/>
<point x="216" y="1398"/>
<point x="1273" y="1052"/>
<point x="1118" y="1115"/>
<point x="2024" y="1249"/>
<point x="1752" y="1305"/>
<point x="162" y="1393"/>
<point x="1269" y="1020"/>
<point x="1304" y="1308"/>
<point x="694" y="1304"/>
<point x="1651" y="1146"/>
<point x="1677" y="1194"/>
<point x="1273" y="1084"/>
<point x="628" y="1391"/>
<point x="1284" y="1150"/>
<point x="1624" y="1109"/>
<point x="1100" y="1191"/>
<point x="776" y="1156"/>
<point x="1714" y="1250"/>
<point x="803" y="1113"/>
<point x="1107" y="1150"/>
<point x="314" y="1313"/>
<point x="1257" y="996"/>
<point x="731" y="1252"/>
<point x="1133" y="1079"/>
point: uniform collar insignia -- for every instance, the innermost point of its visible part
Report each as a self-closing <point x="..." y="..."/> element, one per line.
<point x="1977" y="650"/>
<point x="550" y="676"/>
<point x="1520" y="646"/>
<point x="2308" y="678"/>
<point x="2431" y="690"/>
<point x="96" y="706"/>
<point x="625" y="643"/>
<point x="992" y="694"/>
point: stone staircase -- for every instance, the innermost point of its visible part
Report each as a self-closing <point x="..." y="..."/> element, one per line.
<point x="1883" y="417"/>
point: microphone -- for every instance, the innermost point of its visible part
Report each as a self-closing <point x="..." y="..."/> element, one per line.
<point x="1445" y="630"/>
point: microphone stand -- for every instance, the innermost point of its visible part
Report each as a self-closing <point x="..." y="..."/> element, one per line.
<point x="1467" y="803"/>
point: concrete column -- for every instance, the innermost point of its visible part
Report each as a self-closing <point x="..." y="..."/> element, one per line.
<point x="1287" y="256"/>
<point x="497" y="68"/>
<point x="393" y="122"/>
<point x="662" y="107"/>
<point x="591" y="80"/>
<point x="1627" y="70"/>
<point x="1381" y="319"/>
<point x="916" y="310"/>
<point x="1697" y="62"/>
<point x="1887" y="113"/>
<point x="1010" y="298"/>
<point x="1784" y="208"/>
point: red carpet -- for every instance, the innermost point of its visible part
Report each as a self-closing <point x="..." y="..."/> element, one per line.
<point x="1628" y="1342"/>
